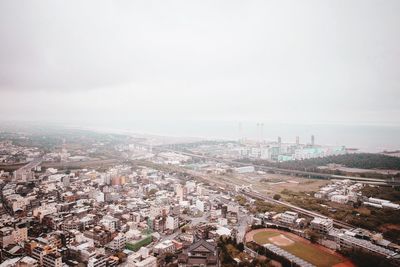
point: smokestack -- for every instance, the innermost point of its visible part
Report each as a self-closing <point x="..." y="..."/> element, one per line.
<point x="240" y="131"/>
<point x="262" y="132"/>
<point x="297" y="140"/>
<point x="279" y="140"/>
<point x="312" y="140"/>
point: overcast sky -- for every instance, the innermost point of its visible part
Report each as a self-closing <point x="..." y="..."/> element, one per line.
<point x="284" y="61"/>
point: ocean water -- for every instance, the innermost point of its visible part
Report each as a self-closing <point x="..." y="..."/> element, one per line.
<point x="367" y="138"/>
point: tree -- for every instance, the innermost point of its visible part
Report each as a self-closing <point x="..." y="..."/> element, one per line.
<point x="169" y="257"/>
<point x="277" y="196"/>
<point x="314" y="236"/>
<point x="240" y="246"/>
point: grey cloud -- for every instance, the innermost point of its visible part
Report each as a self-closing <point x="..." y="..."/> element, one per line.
<point x="264" y="59"/>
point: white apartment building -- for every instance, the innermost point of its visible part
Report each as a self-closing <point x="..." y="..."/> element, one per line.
<point x="172" y="222"/>
<point x="200" y="205"/>
<point x="164" y="247"/>
<point x="322" y="226"/>
<point x="179" y="191"/>
<point x="118" y="243"/>
<point x="97" y="261"/>
<point x="289" y="217"/>
<point x="110" y="223"/>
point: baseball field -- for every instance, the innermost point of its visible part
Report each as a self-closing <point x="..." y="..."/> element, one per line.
<point x="315" y="254"/>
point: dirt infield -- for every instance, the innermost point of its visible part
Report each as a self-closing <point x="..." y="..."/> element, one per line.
<point x="300" y="247"/>
<point x="281" y="241"/>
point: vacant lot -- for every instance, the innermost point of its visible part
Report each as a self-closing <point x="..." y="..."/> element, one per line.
<point x="300" y="247"/>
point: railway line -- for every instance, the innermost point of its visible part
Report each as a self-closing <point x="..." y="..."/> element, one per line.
<point x="366" y="180"/>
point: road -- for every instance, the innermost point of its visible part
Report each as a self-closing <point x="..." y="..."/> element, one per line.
<point x="24" y="172"/>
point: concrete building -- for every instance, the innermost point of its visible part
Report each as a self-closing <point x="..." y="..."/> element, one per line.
<point x="9" y="235"/>
<point x="164" y="247"/>
<point x="172" y="223"/>
<point x="200" y="205"/>
<point x="97" y="261"/>
<point x="52" y="260"/>
<point x="118" y="243"/>
<point x="345" y="240"/>
<point x="289" y="217"/>
<point x="322" y="226"/>
<point x="246" y="169"/>
<point x="110" y="223"/>
<point x="342" y="199"/>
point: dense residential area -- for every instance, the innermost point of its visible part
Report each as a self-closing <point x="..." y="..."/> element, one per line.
<point x="68" y="203"/>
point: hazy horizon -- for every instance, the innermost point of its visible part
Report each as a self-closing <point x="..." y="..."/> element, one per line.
<point x="113" y="63"/>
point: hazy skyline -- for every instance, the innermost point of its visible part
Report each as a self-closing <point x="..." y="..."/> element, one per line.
<point x="279" y="61"/>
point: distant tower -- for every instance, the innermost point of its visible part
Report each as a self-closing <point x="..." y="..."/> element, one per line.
<point x="240" y="130"/>
<point x="258" y="131"/>
<point x="297" y="140"/>
<point x="262" y="132"/>
<point x="312" y="140"/>
<point x="279" y="140"/>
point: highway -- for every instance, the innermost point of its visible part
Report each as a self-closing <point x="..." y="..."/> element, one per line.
<point x="374" y="181"/>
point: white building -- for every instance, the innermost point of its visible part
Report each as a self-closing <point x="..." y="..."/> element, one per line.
<point x="118" y="243"/>
<point x="164" y="247"/>
<point x="172" y="222"/>
<point x="200" y="205"/>
<point x="289" y="217"/>
<point x="190" y="186"/>
<point x="179" y="191"/>
<point x="322" y="226"/>
<point x="97" y="261"/>
<point x="110" y="223"/>
<point x="342" y="199"/>
<point x="245" y="169"/>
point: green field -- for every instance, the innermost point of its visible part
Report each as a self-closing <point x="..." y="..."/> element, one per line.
<point x="305" y="251"/>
